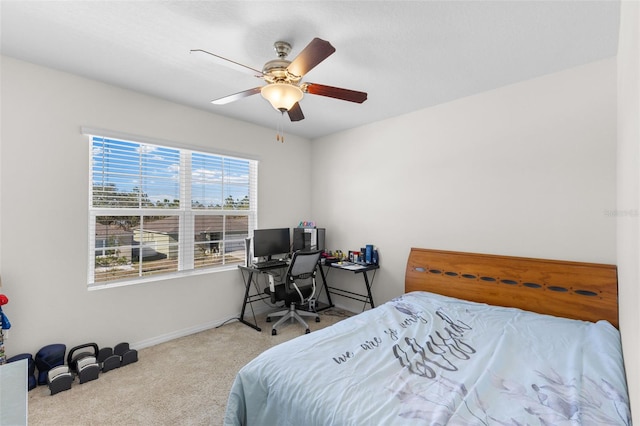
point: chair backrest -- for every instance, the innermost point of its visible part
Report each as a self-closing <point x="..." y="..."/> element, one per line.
<point x="301" y="274"/>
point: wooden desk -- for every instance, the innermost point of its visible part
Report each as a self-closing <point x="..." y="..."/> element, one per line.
<point x="356" y="269"/>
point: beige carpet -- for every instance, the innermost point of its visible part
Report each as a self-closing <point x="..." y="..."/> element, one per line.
<point x="182" y="382"/>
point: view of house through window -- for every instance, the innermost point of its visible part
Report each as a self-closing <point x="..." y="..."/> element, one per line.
<point x="159" y="210"/>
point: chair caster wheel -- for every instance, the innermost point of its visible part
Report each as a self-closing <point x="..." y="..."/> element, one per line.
<point x="274" y="332"/>
<point x="268" y="319"/>
<point x="307" y="331"/>
<point x="317" y="319"/>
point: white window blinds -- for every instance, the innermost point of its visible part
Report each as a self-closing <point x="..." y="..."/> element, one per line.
<point x="157" y="210"/>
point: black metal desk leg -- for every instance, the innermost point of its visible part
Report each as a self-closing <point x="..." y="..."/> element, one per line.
<point x="326" y="287"/>
<point x="247" y="300"/>
<point x="366" y="281"/>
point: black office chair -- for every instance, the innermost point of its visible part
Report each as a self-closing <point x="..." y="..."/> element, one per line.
<point x="299" y="288"/>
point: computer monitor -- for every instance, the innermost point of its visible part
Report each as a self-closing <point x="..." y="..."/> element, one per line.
<point x="271" y="242"/>
<point x="308" y="239"/>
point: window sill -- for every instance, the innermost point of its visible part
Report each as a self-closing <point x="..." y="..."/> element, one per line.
<point x="162" y="277"/>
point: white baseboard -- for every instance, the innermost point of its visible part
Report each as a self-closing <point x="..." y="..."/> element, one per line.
<point x="178" y="333"/>
<point x="196" y="329"/>
<point x="206" y="326"/>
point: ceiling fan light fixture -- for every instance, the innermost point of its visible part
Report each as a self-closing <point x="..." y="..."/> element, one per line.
<point x="282" y="96"/>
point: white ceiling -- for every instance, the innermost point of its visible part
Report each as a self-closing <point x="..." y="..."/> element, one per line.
<point x="407" y="55"/>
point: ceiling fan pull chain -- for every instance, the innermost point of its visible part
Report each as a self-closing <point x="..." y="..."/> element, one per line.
<point x="280" y="128"/>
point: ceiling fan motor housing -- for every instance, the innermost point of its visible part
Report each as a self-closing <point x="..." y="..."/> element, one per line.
<point x="276" y="69"/>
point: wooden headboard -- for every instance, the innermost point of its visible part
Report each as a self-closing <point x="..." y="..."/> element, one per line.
<point x="586" y="291"/>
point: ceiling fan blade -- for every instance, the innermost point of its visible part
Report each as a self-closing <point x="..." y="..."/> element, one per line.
<point x="335" y="92"/>
<point x="295" y="113"/>
<point x="236" y="96"/>
<point x="233" y="64"/>
<point x="316" y="51"/>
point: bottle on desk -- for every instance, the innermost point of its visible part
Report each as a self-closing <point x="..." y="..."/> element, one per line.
<point x="368" y="253"/>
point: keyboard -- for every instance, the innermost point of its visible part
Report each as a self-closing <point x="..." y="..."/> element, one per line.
<point x="274" y="263"/>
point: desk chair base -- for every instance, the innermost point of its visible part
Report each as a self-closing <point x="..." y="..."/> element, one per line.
<point x="292" y="314"/>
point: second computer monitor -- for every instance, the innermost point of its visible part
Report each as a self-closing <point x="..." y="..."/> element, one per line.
<point x="273" y="242"/>
<point x="308" y="239"/>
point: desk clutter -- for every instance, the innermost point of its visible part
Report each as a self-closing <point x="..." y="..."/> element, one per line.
<point x="367" y="255"/>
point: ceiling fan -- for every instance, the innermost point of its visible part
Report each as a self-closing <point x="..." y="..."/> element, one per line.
<point x="284" y="88"/>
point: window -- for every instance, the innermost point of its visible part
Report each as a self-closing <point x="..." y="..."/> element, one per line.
<point x="157" y="210"/>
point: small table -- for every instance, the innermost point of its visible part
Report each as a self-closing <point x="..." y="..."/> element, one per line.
<point x="356" y="268"/>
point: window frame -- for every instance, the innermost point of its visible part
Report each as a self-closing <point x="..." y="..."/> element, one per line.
<point x="186" y="213"/>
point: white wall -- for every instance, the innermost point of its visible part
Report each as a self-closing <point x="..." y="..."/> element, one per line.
<point x="628" y="243"/>
<point x="44" y="193"/>
<point x="525" y="170"/>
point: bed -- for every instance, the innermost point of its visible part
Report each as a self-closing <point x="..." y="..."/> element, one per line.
<point x="475" y="340"/>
